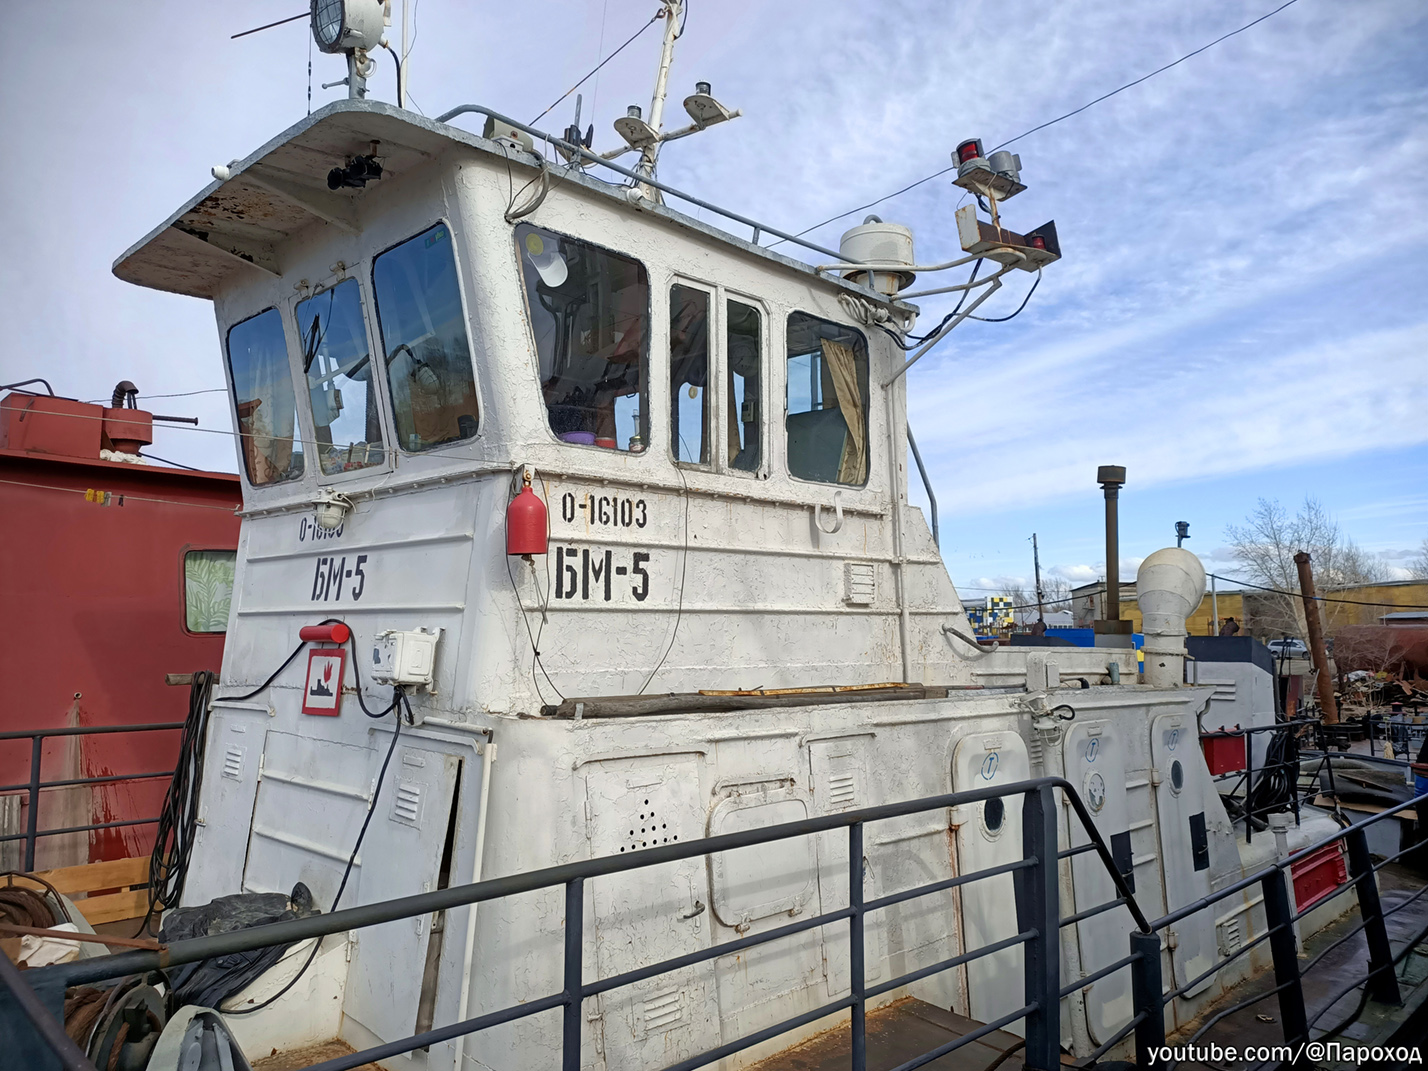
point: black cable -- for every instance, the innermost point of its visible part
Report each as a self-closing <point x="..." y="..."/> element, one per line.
<point x="1050" y="122"/>
<point x="25" y="382"/>
<point x="398" y="696"/>
<point x="653" y="19"/>
<point x="1319" y="598"/>
<point x="917" y="340"/>
<point x="175" y="834"/>
<point x="683" y="569"/>
<point x="175" y="464"/>
<point x="286" y="662"/>
<point x="1004" y="319"/>
<point x="535" y="636"/>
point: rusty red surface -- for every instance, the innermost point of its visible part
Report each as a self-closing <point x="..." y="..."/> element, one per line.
<point x="91" y="591"/>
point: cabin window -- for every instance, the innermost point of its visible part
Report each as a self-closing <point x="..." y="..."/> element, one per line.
<point x="208" y="589"/>
<point x="589" y="313"/>
<point x="427" y="352"/>
<point x="743" y="341"/>
<point x="689" y="375"/>
<point x="827" y="401"/>
<point x="264" y="398"/>
<point x="338" y="365"/>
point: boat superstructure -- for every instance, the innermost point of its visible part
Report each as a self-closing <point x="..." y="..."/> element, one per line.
<point x="737" y="619"/>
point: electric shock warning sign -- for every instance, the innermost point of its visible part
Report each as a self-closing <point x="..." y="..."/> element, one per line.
<point x="322" y="694"/>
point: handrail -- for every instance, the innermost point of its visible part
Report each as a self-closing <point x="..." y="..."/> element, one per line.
<point x="646" y="180"/>
<point x="926" y="486"/>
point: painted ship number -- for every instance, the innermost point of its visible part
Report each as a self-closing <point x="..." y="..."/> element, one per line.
<point x="330" y="579"/>
<point x="585" y="574"/>
<point x="608" y="510"/>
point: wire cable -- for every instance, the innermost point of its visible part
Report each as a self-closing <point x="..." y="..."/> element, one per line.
<point x="1052" y="122"/>
<point x="1004" y="319"/>
<point x="683" y="569"/>
<point x="653" y="19"/>
<point x="1318" y="598"/>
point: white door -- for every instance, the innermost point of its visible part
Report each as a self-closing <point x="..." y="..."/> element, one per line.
<point x="1095" y="763"/>
<point x="401" y="856"/>
<point x="650" y="914"/>
<point x="988" y="835"/>
<point x="230" y="784"/>
<point x="1181" y="795"/>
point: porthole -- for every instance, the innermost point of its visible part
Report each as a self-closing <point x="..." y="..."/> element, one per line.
<point x="994" y="813"/>
<point x="1177" y="776"/>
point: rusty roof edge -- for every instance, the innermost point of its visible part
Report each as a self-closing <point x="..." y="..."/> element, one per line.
<point x="456" y="135"/>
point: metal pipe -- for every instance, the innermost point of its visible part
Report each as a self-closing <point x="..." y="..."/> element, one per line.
<point x="70" y="1055"/>
<point x="897" y="487"/>
<point x="1215" y="608"/>
<point x="996" y="285"/>
<point x="926" y="486"/>
<point x="649" y="155"/>
<point x="488" y="756"/>
<point x="1112" y="478"/>
<point x="1328" y="707"/>
<point x="33" y="818"/>
<point x="586" y="154"/>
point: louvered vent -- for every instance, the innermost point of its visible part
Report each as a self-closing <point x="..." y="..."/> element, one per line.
<point x="860" y="583"/>
<point x="233" y="762"/>
<point x="663" y="1011"/>
<point x="406" y="807"/>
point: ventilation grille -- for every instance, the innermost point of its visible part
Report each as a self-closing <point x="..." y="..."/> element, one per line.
<point x="860" y="583"/>
<point x="842" y="790"/>
<point x="663" y="1011"/>
<point x="1231" y="938"/>
<point x="233" y="762"/>
<point x="650" y="827"/>
<point x="406" y="807"/>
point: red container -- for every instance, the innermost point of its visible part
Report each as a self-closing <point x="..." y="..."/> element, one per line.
<point x="1223" y="754"/>
<point x="526" y="524"/>
<point x="1317" y="875"/>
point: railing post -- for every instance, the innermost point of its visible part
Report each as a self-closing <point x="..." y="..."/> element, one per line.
<point x="574" y="974"/>
<point x="1038" y="907"/>
<point x="32" y="820"/>
<point x="1249" y="787"/>
<point x="1383" y="986"/>
<point x="1279" y="916"/>
<point x="1147" y="995"/>
<point x="856" y="952"/>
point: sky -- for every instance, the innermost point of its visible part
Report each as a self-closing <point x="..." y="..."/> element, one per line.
<point x="1239" y="311"/>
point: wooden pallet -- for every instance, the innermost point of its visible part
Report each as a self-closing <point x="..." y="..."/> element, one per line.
<point x="114" y="880"/>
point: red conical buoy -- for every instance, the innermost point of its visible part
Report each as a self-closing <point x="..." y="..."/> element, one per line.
<point x="526" y="523"/>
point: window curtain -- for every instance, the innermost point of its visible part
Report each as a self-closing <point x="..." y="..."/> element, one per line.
<point x="208" y="589"/>
<point x="853" y="466"/>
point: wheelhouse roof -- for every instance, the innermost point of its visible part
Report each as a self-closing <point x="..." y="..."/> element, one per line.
<point x="238" y="224"/>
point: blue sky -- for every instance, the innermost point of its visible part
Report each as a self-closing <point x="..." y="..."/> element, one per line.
<point x="1239" y="311"/>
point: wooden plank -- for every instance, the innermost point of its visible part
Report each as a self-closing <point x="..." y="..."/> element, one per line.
<point x="110" y="874"/>
<point x="114" y="906"/>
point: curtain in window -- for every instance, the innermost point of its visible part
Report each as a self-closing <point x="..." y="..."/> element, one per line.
<point x="853" y="466"/>
<point x="208" y="589"/>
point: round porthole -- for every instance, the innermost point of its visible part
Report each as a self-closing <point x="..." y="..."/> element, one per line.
<point x="1095" y="792"/>
<point x="1177" y="775"/>
<point x="994" y="813"/>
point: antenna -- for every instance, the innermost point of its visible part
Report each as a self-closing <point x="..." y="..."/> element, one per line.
<point x="1040" y="597"/>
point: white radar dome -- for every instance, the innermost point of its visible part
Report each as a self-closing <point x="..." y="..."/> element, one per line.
<point x="1169" y="584"/>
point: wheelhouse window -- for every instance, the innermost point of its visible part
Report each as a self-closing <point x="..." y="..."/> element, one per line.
<point x="264" y="398"/>
<point x="743" y="342"/>
<point x="338" y="364"/>
<point x="208" y="589"/>
<point x="425" y="346"/>
<point x="689" y="375"/>
<point x="589" y="313"/>
<point x="827" y="418"/>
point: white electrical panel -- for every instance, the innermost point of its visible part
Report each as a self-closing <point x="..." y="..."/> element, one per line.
<point x="406" y="658"/>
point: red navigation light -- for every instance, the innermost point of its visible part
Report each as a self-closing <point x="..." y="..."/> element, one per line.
<point x="336" y="632"/>
<point x="969" y="150"/>
<point x="1036" y="241"/>
<point x="526" y="523"/>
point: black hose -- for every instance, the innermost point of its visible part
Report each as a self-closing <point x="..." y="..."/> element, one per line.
<point x="174" y="837"/>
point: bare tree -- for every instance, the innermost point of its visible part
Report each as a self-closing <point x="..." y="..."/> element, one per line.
<point x="1418" y="567"/>
<point x="1056" y="595"/>
<point x="1265" y="546"/>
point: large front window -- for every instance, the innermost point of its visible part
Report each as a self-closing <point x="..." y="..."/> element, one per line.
<point x="264" y="398"/>
<point x="426" y="351"/>
<point x="338" y="364"/>
<point x="827" y="401"/>
<point x="589" y="311"/>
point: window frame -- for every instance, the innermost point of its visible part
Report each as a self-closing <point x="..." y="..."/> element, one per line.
<point x="368" y="283"/>
<point x="714" y="334"/>
<point x="867" y="483"/>
<point x="652" y="373"/>
<point x="725" y="462"/>
<point x="302" y="432"/>
<point x="368" y="299"/>
<point x="184" y="552"/>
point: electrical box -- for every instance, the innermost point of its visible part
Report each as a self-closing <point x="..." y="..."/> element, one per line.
<point x="406" y="658"/>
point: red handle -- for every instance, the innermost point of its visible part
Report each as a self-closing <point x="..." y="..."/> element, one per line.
<point x="336" y="633"/>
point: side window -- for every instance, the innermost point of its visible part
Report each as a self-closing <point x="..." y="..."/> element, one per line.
<point x="827" y="418"/>
<point x="338" y="364"/>
<point x="689" y="375"/>
<point x="264" y="399"/>
<point x="426" y="349"/>
<point x="743" y="341"/>
<point x="207" y="589"/>
<point x="589" y="313"/>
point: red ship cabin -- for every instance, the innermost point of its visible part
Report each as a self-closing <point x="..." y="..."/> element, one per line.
<point x="114" y="572"/>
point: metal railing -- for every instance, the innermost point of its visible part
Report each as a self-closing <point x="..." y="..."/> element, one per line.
<point x="30" y="1004"/>
<point x="37" y="996"/>
<point x="33" y="786"/>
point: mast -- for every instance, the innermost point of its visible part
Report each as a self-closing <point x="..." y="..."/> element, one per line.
<point x="1040" y="598"/>
<point x="649" y="155"/>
